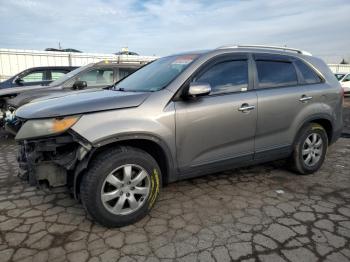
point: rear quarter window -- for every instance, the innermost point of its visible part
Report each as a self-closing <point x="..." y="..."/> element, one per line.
<point x="309" y="75"/>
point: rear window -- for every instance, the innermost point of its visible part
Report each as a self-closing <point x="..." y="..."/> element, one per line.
<point x="339" y="76"/>
<point x="276" y="73"/>
<point x="309" y="75"/>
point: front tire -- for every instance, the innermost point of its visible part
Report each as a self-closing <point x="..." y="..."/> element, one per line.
<point x="310" y="149"/>
<point x="120" y="186"/>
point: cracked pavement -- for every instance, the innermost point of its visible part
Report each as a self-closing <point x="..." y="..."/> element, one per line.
<point x="260" y="213"/>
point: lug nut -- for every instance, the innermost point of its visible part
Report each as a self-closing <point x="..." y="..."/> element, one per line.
<point x="121" y="193"/>
<point x="127" y="194"/>
<point x="132" y="188"/>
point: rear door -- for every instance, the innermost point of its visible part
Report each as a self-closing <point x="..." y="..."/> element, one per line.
<point x="281" y="97"/>
<point x="54" y="74"/>
<point x="213" y="131"/>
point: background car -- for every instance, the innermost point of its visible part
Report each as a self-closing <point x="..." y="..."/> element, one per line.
<point x="36" y="76"/>
<point x="63" y="50"/>
<point x="344" y="79"/>
<point x="126" y="53"/>
<point x="340" y="76"/>
<point x="98" y="75"/>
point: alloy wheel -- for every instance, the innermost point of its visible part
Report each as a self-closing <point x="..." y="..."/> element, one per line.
<point x="312" y="149"/>
<point x="125" y="189"/>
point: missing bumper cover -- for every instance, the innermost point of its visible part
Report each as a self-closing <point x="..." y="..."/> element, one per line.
<point x="50" y="159"/>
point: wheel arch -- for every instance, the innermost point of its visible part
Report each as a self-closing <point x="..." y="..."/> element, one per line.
<point x="149" y="143"/>
<point x="322" y="119"/>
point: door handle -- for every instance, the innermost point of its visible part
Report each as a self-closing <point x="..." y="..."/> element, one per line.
<point x="305" y="98"/>
<point x="245" y="108"/>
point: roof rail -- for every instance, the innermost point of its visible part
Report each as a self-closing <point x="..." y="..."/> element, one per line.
<point x="268" y="47"/>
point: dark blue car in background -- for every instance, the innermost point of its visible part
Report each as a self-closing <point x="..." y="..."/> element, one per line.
<point x="36" y="76"/>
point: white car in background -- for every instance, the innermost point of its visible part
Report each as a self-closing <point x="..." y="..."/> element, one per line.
<point x="344" y="79"/>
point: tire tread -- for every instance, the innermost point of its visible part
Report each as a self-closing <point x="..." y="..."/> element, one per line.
<point x="91" y="177"/>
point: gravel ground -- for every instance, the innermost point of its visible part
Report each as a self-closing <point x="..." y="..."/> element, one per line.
<point x="260" y="213"/>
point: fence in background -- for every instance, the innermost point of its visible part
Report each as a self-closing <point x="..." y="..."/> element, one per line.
<point x="13" y="61"/>
<point x="339" y="68"/>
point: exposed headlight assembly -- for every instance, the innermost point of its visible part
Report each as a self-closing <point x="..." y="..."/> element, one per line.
<point x="45" y="127"/>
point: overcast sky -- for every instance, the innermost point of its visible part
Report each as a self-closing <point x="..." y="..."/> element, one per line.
<point x="163" y="27"/>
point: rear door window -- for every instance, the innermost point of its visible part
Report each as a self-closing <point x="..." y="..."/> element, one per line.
<point x="55" y="74"/>
<point x="276" y="73"/>
<point x="309" y="75"/>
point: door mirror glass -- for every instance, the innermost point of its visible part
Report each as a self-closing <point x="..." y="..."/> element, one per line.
<point x="78" y="85"/>
<point x="199" y="89"/>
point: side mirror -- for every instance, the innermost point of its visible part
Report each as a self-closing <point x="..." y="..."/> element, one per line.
<point x="78" y="85"/>
<point x="19" y="81"/>
<point x="199" y="89"/>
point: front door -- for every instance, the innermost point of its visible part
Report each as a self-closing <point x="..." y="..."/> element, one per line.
<point x="95" y="78"/>
<point x="219" y="128"/>
<point x="31" y="78"/>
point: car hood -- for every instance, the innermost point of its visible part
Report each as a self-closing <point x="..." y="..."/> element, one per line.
<point x="42" y="94"/>
<point x="6" y="83"/>
<point x="19" y="89"/>
<point x="80" y="102"/>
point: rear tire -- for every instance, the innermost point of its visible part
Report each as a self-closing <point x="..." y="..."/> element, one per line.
<point x="310" y="149"/>
<point x="120" y="186"/>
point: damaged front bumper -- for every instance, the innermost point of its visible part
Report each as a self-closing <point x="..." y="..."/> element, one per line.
<point x="8" y="119"/>
<point x="54" y="160"/>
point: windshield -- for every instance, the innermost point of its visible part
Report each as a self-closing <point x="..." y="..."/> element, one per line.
<point x="339" y="76"/>
<point x="156" y="75"/>
<point x="68" y="76"/>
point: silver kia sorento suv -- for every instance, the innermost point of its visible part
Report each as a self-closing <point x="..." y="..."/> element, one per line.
<point x="181" y="116"/>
